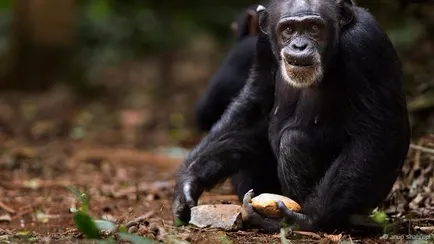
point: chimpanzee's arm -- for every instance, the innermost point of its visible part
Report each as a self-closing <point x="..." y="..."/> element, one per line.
<point x="238" y="136"/>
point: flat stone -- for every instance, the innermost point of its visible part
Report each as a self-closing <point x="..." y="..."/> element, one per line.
<point x="221" y="216"/>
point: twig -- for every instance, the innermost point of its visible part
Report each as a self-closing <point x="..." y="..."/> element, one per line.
<point x="351" y="239"/>
<point x="6" y="208"/>
<point x="149" y="214"/>
<point x="333" y="238"/>
<point x="161" y="215"/>
<point x="36" y="184"/>
<point x="416" y="161"/>
<point x="422" y="149"/>
<point x="425" y="228"/>
<point x="26" y="209"/>
<point x="69" y="231"/>
<point x="422" y="220"/>
<point x="22" y="213"/>
<point x="310" y="234"/>
<point x="32" y="205"/>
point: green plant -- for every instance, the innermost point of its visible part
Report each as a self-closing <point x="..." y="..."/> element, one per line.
<point x="283" y="238"/>
<point x="91" y="228"/>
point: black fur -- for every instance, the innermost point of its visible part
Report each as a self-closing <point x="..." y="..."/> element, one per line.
<point x="231" y="76"/>
<point x="336" y="147"/>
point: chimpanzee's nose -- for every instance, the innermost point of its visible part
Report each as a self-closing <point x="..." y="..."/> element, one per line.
<point x="299" y="46"/>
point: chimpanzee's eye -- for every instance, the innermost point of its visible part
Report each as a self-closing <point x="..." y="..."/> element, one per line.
<point x="287" y="33"/>
<point x="314" y="29"/>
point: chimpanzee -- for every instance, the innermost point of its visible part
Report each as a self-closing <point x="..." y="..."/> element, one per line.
<point x="232" y="75"/>
<point x="323" y="112"/>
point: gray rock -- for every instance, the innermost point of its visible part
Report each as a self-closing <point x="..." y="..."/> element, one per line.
<point x="221" y="216"/>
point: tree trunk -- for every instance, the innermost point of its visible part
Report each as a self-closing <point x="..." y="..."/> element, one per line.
<point x="42" y="39"/>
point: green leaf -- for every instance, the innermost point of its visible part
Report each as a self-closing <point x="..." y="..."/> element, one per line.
<point x="106" y="241"/>
<point x="135" y="239"/>
<point x="283" y="238"/>
<point x="23" y="233"/>
<point x="76" y="192"/>
<point x="5" y="5"/>
<point x="82" y="197"/>
<point x="104" y="225"/>
<point x="379" y="217"/>
<point x="99" y="9"/>
<point x="122" y="228"/>
<point x="86" y="225"/>
<point x="179" y="222"/>
<point x="78" y="133"/>
<point x="225" y="240"/>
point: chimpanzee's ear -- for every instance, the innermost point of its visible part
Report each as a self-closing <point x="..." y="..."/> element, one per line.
<point x="346" y="12"/>
<point x="263" y="19"/>
<point x="252" y="22"/>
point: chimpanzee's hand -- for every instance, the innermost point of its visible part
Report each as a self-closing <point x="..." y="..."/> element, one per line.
<point x="254" y="219"/>
<point x="187" y="192"/>
<point x="294" y="218"/>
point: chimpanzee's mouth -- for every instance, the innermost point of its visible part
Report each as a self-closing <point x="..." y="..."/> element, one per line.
<point x="300" y="62"/>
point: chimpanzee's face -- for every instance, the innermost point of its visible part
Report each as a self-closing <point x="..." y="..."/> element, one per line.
<point x="302" y="35"/>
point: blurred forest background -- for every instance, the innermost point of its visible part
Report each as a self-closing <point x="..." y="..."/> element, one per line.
<point x="130" y="71"/>
<point x="89" y="87"/>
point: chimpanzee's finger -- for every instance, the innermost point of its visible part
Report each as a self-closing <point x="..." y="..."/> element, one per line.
<point x="291" y="216"/>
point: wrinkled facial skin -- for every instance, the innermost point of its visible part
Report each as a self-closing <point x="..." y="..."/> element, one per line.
<point x="301" y="40"/>
<point x="301" y="36"/>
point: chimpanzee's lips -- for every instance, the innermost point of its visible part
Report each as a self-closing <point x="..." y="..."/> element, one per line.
<point x="300" y="62"/>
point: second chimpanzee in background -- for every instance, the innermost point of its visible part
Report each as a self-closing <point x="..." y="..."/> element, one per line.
<point x="232" y="75"/>
<point x="322" y="119"/>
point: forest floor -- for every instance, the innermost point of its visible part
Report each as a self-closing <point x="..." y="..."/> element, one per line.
<point x="125" y="182"/>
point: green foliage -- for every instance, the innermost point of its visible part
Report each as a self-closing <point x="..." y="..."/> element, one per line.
<point x="111" y="30"/>
<point x="104" y="225"/>
<point x="5" y="5"/>
<point x="224" y="239"/>
<point x="86" y="225"/>
<point x="178" y="222"/>
<point x="283" y="238"/>
<point x="99" y="9"/>
<point x="134" y="238"/>
<point x="91" y="228"/>
<point x="82" y="197"/>
<point x="379" y="217"/>
<point x="405" y="34"/>
<point x="5" y="23"/>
